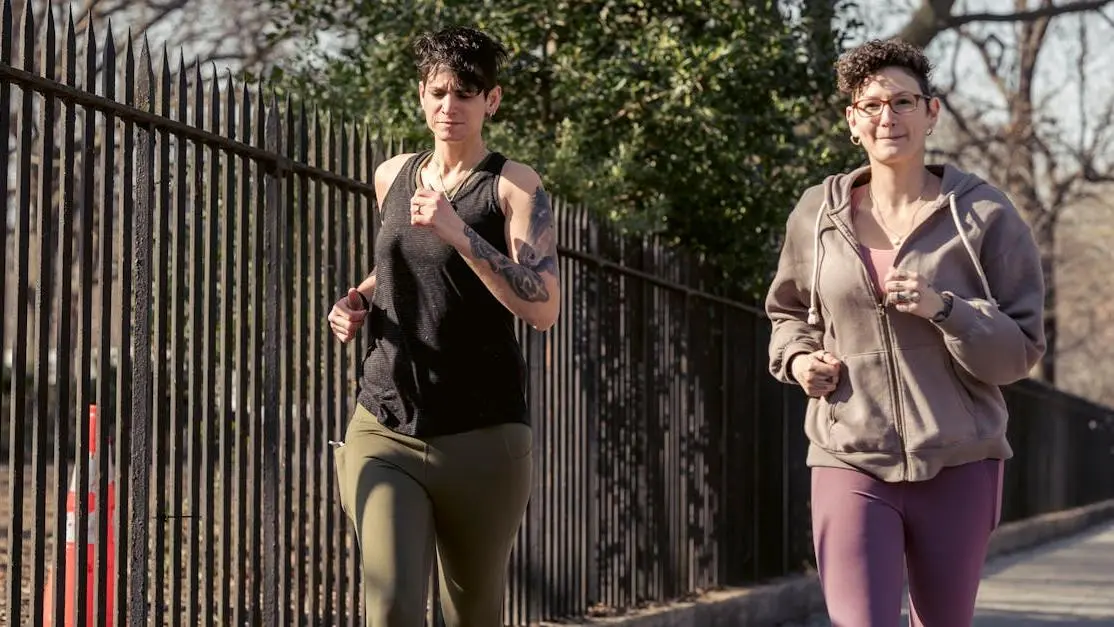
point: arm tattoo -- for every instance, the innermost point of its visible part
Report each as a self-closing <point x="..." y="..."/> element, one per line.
<point x="525" y="282"/>
<point x="539" y="251"/>
<point x="536" y="254"/>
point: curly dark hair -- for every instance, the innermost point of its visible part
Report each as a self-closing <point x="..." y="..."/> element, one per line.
<point x="472" y="56"/>
<point x="857" y="65"/>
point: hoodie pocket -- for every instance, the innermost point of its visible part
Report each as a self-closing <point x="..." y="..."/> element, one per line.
<point x="858" y="416"/>
<point x="938" y="405"/>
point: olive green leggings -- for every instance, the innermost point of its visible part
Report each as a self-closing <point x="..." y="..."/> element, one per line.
<point x="463" y="494"/>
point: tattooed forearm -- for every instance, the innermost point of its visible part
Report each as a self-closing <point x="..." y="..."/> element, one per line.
<point x="526" y="283"/>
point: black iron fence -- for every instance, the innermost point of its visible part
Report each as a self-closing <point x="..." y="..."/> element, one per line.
<point x="172" y="246"/>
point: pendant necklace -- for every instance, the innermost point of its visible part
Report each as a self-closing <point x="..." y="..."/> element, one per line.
<point x="449" y="195"/>
<point x="896" y="239"/>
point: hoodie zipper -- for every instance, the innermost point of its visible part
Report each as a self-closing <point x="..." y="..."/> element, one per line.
<point x="887" y="339"/>
<point x="891" y="361"/>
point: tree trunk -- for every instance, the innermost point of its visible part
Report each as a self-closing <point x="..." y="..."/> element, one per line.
<point x="1021" y="178"/>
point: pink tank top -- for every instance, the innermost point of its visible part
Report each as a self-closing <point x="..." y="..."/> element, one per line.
<point x="878" y="261"/>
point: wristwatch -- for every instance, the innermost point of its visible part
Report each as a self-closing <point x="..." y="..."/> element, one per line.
<point x="945" y="311"/>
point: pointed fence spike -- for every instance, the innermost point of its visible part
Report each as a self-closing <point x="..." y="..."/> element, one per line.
<point x="27" y="44"/>
<point x="7" y="32"/>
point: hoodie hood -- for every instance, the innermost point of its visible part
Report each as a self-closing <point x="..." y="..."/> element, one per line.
<point x="954" y="185"/>
<point x="837" y="188"/>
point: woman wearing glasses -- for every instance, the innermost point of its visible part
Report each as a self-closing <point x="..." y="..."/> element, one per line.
<point x="906" y="294"/>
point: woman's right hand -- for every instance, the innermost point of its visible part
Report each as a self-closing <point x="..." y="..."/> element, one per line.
<point x="817" y="372"/>
<point x="347" y="316"/>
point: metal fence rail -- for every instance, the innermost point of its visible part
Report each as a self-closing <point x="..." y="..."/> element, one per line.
<point x="171" y="248"/>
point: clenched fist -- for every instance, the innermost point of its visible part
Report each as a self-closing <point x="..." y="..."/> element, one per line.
<point x="817" y="373"/>
<point x="347" y="316"/>
<point x="431" y="210"/>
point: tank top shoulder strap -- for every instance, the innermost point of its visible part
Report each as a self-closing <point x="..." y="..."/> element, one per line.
<point x="494" y="163"/>
<point x="408" y="174"/>
<point x="489" y="173"/>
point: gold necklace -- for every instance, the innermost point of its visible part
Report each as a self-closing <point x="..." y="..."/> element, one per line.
<point x="896" y="239"/>
<point x="437" y="163"/>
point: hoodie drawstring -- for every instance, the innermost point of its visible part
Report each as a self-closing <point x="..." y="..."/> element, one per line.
<point x="813" y="304"/>
<point x="970" y="251"/>
<point x="813" y="310"/>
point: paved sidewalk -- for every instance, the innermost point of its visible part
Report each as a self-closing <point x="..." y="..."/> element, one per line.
<point x="1066" y="583"/>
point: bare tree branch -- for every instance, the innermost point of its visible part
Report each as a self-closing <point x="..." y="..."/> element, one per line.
<point x="927" y="22"/>
<point x="1081" y="65"/>
<point x="954" y="73"/>
<point x="934" y="17"/>
<point x="966" y="126"/>
<point x="1045" y="11"/>
<point x="993" y="64"/>
<point x="163" y="11"/>
<point x="222" y="31"/>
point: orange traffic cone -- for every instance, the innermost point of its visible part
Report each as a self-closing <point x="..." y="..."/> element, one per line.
<point x="91" y="540"/>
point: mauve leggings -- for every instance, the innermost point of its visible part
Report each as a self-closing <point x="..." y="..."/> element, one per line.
<point x="867" y="533"/>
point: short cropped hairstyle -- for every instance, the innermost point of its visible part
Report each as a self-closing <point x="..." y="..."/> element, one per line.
<point x="472" y="56"/>
<point x="857" y="65"/>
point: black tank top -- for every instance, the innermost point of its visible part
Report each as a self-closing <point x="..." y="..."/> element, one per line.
<point x="444" y="356"/>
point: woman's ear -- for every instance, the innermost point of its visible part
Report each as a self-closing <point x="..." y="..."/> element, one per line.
<point x="494" y="98"/>
<point x="933" y="110"/>
<point x="849" y="117"/>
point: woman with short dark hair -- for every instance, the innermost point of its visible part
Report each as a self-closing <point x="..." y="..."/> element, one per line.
<point x="437" y="457"/>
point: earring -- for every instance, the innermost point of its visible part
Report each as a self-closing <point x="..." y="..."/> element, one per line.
<point x="929" y="131"/>
<point x="855" y="140"/>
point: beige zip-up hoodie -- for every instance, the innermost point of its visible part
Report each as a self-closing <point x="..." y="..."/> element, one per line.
<point x="913" y="396"/>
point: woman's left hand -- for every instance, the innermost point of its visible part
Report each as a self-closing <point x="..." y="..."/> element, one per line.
<point x="432" y="210"/>
<point x="911" y="293"/>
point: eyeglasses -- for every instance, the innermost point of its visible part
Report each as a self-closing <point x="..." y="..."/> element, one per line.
<point x="872" y="107"/>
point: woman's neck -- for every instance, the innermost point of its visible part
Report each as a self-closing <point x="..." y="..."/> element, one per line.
<point x="456" y="157"/>
<point x="898" y="187"/>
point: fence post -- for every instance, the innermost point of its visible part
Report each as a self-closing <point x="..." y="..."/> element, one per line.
<point x="272" y="327"/>
<point x="41" y="338"/>
<point x="139" y="463"/>
<point x="18" y="403"/>
<point x="591" y="373"/>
